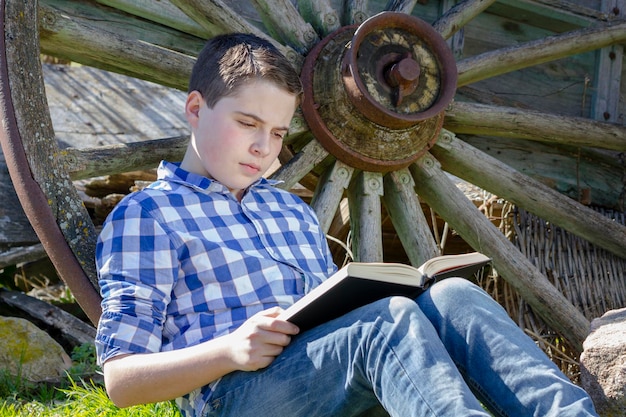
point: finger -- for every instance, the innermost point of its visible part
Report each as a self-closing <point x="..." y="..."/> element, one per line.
<point x="266" y="320"/>
<point x="263" y="362"/>
<point x="271" y="351"/>
<point x="269" y="337"/>
<point x="286" y="327"/>
<point x="270" y="312"/>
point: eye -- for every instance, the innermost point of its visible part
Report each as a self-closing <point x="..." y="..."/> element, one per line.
<point x="246" y="123"/>
<point x="279" y="135"/>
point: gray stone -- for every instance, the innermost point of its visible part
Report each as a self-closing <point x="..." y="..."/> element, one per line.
<point x="603" y="363"/>
<point x="29" y="352"/>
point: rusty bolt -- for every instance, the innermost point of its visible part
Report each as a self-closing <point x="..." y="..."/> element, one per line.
<point x="403" y="76"/>
<point x="404" y="73"/>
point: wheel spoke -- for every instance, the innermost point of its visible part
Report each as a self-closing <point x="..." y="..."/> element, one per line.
<point x="455" y="18"/>
<point x="283" y="21"/>
<point x="440" y="193"/>
<point x="304" y="161"/>
<point x="493" y="63"/>
<point x="216" y="13"/>
<point x="212" y="14"/>
<point x="482" y="119"/>
<point x="115" y="159"/>
<point x="321" y="15"/>
<point x="163" y="12"/>
<point x="365" y="216"/>
<point x="77" y="39"/>
<point x="403" y="6"/>
<point x="355" y="12"/>
<point x="408" y="218"/>
<point x="329" y="192"/>
<point x="475" y="166"/>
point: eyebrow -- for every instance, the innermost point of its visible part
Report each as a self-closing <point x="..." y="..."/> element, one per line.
<point x="258" y="119"/>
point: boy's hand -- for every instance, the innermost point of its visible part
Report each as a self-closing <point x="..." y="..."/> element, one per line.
<point x="260" y="340"/>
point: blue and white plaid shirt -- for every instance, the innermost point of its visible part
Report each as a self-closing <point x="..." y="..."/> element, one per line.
<point x="182" y="262"/>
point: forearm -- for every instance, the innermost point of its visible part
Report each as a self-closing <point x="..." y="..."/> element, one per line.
<point x="147" y="378"/>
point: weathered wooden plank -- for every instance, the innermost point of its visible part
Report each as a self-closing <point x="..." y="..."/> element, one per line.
<point x="365" y="216"/>
<point x="90" y="107"/>
<point x="408" y="218"/>
<point x="469" y="163"/>
<point x="284" y="22"/>
<point x="561" y="10"/>
<point x="301" y="164"/>
<point x="608" y="77"/>
<point x="561" y="86"/>
<point x="321" y="15"/>
<point x="15" y="229"/>
<point x="22" y="254"/>
<point x="74" y="330"/>
<point x="482" y="119"/>
<point x="81" y="40"/>
<point x="509" y="59"/>
<point x="455" y="18"/>
<point x="329" y="192"/>
<point x="590" y="176"/>
<point x="440" y="193"/>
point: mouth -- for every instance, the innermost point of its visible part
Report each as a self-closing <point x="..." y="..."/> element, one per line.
<point x="251" y="167"/>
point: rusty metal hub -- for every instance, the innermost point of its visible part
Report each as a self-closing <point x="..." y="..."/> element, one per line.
<point x="375" y="94"/>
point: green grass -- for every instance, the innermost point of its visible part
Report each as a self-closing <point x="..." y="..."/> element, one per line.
<point x="78" y="395"/>
<point x="83" y="400"/>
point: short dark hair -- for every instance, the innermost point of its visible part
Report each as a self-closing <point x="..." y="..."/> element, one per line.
<point x="231" y="60"/>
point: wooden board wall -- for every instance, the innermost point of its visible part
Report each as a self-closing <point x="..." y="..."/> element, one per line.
<point x="15" y="230"/>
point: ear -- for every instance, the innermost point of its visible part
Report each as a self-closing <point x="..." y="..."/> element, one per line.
<point x="192" y="107"/>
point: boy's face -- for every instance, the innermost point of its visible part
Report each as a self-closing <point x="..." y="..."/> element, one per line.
<point x="237" y="140"/>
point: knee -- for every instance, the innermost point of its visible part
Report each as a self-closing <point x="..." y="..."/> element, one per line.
<point x="456" y="294"/>
<point x="455" y="288"/>
<point x="400" y="304"/>
<point x="394" y="306"/>
<point x="396" y="309"/>
<point x="399" y="315"/>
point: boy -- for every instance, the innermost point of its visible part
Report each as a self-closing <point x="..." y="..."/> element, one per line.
<point x="195" y="268"/>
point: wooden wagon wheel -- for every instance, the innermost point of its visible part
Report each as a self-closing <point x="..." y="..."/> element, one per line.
<point x="389" y="80"/>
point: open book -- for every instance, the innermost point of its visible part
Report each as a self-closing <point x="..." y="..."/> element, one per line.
<point x="360" y="283"/>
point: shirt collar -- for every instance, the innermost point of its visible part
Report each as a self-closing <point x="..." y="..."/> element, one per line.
<point x="171" y="171"/>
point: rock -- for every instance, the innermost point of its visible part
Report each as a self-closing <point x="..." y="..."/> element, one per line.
<point x="603" y="363"/>
<point x="30" y="352"/>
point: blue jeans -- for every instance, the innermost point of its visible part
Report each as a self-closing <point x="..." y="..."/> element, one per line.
<point x="436" y="356"/>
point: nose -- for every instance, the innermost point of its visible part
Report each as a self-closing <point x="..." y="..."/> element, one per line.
<point x="261" y="144"/>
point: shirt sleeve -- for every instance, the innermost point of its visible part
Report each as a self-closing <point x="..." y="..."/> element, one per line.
<point x="137" y="267"/>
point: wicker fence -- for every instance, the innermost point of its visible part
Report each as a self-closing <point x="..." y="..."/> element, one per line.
<point x="591" y="278"/>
